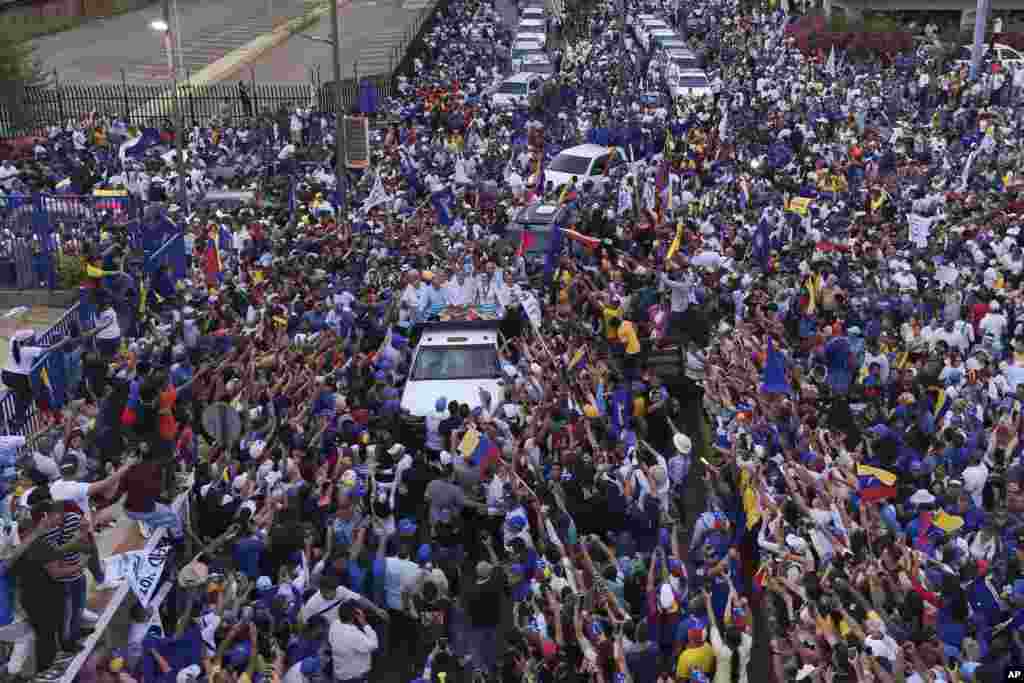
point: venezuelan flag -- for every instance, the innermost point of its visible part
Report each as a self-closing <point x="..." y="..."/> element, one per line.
<point x="875" y="483"/>
<point x="799" y="205"/>
<point x="486" y="451"/>
<point x="44" y="379"/>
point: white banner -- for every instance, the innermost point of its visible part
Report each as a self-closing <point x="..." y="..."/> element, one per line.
<point x="117" y="568"/>
<point x="532" y="308"/>
<point x="921" y="228"/>
<point x="146" y="570"/>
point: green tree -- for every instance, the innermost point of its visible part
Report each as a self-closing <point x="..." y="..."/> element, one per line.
<point x="20" y="71"/>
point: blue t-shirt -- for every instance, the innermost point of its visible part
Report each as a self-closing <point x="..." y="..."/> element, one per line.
<point x="247" y="553"/>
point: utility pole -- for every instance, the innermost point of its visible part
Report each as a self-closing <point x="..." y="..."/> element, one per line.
<point x="339" y="132"/>
<point x="980" y="22"/>
<point x="170" y="38"/>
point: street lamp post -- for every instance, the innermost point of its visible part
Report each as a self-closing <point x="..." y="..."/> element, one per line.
<point x="980" y="22"/>
<point x="339" y="118"/>
<point x="173" y="45"/>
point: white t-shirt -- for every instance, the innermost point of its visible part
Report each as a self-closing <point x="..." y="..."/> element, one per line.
<point x="75" y="491"/>
<point x="28" y="357"/>
<point x="318" y="605"/>
<point x="208" y="624"/>
<point x="108" y="317"/>
<point x="974" y="478"/>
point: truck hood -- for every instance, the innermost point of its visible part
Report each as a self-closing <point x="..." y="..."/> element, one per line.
<point x="419" y="397"/>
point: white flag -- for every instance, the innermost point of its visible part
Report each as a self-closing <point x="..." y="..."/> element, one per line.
<point x="967" y="169"/>
<point x="830" y="66"/>
<point x="921" y="228"/>
<point x="144" y="575"/>
<point x="378" y="195"/>
<point x="625" y="199"/>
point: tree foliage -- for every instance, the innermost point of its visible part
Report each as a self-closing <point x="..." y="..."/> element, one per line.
<point x="872" y="36"/>
<point x="19" y="70"/>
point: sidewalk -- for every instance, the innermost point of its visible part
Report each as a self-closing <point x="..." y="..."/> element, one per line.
<point x="99" y="51"/>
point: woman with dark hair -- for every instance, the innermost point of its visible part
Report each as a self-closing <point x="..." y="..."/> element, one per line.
<point x="732" y="653"/>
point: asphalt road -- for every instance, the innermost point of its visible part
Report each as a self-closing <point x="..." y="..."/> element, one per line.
<point x="371" y="30"/>
<point x="101" y="51"/>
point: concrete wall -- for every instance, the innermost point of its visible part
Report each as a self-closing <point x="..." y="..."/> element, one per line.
<point x="63" y="299"/>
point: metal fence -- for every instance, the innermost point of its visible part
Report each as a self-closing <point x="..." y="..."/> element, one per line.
<point x="55" y="374"/>
<point x="152" y="105"/>
<point x="35" y="230"/>
<point x="55" y="365"/>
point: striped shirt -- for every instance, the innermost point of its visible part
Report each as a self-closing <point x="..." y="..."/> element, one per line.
<point x="67" y="533"/>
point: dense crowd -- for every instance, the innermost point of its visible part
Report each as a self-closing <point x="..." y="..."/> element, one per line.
<point x="821" y="484"/>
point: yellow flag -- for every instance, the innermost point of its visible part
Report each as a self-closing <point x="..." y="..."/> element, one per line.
<point x="947" y="522"/>
<point x="565" y="191"/>
<point x="143" y="296"/>
<point x="676" y="242"/>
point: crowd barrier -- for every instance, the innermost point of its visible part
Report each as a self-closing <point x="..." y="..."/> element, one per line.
<point x="144" y="104"/>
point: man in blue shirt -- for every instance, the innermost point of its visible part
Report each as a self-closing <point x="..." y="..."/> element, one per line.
<point x="248" y="552"/>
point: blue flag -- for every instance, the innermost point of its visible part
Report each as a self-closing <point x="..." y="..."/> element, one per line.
<point x="620" y="410"/>
<point x="137" y="146"/>
<point x="762" y="243"/>
<point x="293" y="202"/>
<point x="367" y="97"/>
<point x="442" y="201"/>
<point x="410" y="174"/>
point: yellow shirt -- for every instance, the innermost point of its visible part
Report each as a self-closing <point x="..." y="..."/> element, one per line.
<point x="608" y="314"/>
<point x="695" y="659"/>
<point x="751" y="503"/>
<point x="563" y="291"/>
<point x="627" y="335"/>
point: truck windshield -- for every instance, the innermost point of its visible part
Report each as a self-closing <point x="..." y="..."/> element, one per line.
<point x="478" y="361"/>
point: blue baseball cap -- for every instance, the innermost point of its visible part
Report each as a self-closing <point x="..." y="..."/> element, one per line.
<point x="424" y="553"/>
<point x="310" y="665"/>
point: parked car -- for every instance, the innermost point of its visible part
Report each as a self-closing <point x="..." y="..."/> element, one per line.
<point x="522" y="48"/>
<point x="688" y="84"/>
<point x="670" y="43"/>
<point x="1004" y="54"/>
<point x="539" y="64"/>
<point x="516" y="88"/>
<point x="684" y="60"/>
